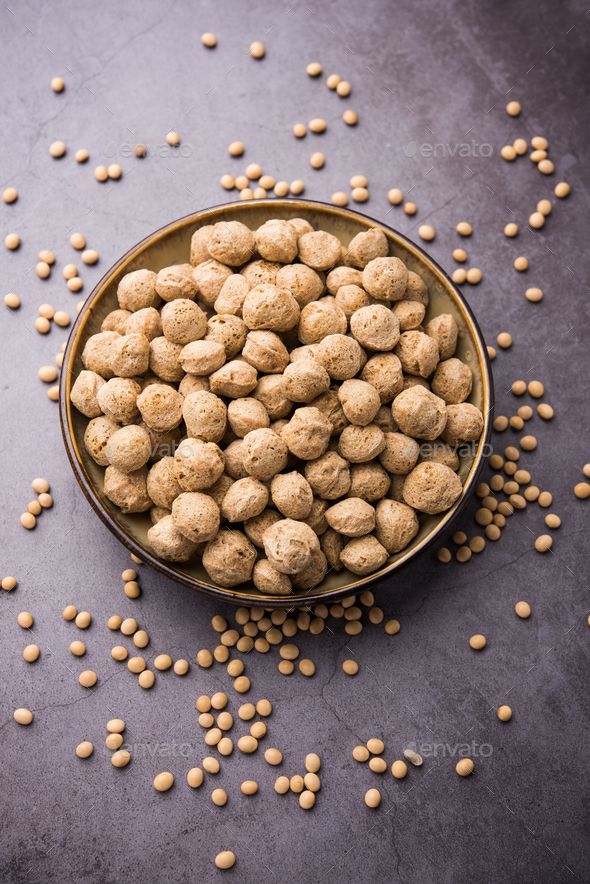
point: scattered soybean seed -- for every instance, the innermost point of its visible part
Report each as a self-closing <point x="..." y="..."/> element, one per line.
<point x="317" y="125"/>
<point x="83" y="620"/>
<point x="536" y="389"/>
<point x="360" y="754"/>
<point x="464" y="228"/>
<point x="78" y="241"/>
<point x="534" y="294"/>
<point x="101" y="173"/>
<point x="552" y="520"/>
<point x="114" y="171"/>
<point x="163" y="781"/>
<point x="84" y="749"/>
<point x="194" y="777"/>
<point x="312" y="762"/>
<point x="236" y="149"/>
<point x="132" y="590"/>
<point x="375" y="746"/>
<point x="504" y="713"/>
<point x="57" y="149"/>
<point x="459" y="275"/>
<point x="543" y="543"/>
<point x="23" y="716"/>
<point x="219" y="797"/>
<point x="513" y="108"/>
<point x="82" y="155"/>
<point x="544" y="207"/>
<point x="77" y="648"/>
<point x="307" y="667"/>
<point x="114" y="622"/>
<point x="297" y="187"/>
<point x="257" y="49"/>
<point x="312" y="782"/>
<point x="477" y="642"/>
<point x="12" y="241"/>
<point x="31" y="653"/>
<point x="528" y="443"/>
<point x="343" y="89"/>
<point x="88" y="678"/>
<point x="350" y="117"/>
<point x="209" y="40"/>
<point x="350" y="667"/>
<point x="181" y="667"/>
<point x="545" y="499"/>
<point x="172" y="138"/>
<point x="562" y="190"/>
<point x="463" y="554"/>
<point x="410" y="208"/>
<point x="318" y="161"/>
<point x="307" y="800"/>
<point x="373" y="798"/>
<point x="314" y="69"/>
<point x="282" y="785"/>
<point x="474" y="276"/>
<point x="24" y="619"/>
<point x="58" y="84"/>
<point x="299" y="130"/>
<point x="89" y="256"/>
<point x="511" y="230"/>
<point x="254" y="171"/>
<point x="10" y="195"/>
<point x="359" y="194"/>
<point x="211" y="764"/>
<point x="333" y="80"/>
<point x="521" y="264"/>
<point x="546" y="167"/>
<point x="508" y="153"/>
<point x="523" y="610"/>
<point x="249" y="787"/>
<point x="392" y="627"/>
<point x="339" y="198"/>
<point x="504" y="340"/>
<point x="459" y="255"/>
<point x="121" y="758"/>
<point x="520" y="146"/>
<point x="28" y="521"/>
<point x="226" y="859"/>
<point x="581" y="490"/>
<point x="140" y="151"/>
<point x="395" y="196"/>
<point x="464" y="767"/>
<point x="296" y="784"/>
<point x="70" y="612"/>
<point x="426" y="232"/>
<point x="399" y="769"/>
<point x="273" y="756"/>
<point x="12" y="301"/>
<point x="536" y="220"/>
<point x="539" y="142"/>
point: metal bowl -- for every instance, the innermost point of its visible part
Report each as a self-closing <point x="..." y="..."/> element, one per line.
<point x="171" y="245"/>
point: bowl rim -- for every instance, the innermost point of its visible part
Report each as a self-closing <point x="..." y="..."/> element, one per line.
<point x="236" y="595"/>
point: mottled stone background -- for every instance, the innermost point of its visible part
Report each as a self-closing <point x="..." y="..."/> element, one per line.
<point x="430" y="82"/>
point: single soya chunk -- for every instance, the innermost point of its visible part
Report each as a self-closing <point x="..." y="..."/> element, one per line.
<point x="229" y="558"/>
<point x="432" y="488"/>
<point x="363" y="555"/>
<point x="419" y="413"/>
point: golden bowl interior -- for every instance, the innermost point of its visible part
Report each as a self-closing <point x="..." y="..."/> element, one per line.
<point x="171" y="245"/>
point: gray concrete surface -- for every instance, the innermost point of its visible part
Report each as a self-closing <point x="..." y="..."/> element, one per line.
<point x="430" y="81"/>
